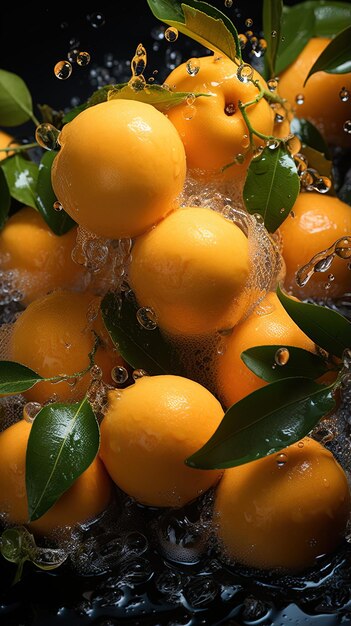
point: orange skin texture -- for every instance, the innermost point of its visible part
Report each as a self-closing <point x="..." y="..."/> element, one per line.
<point x="319" y="221"/>
<point x="5" y="141"/>
<point x="150" y="428"/>
<point x="211" y="137"/>
<point x="268" y="516"/>
<point x="186" y="271"/>
<point x="89" y="495"/>
<point x="269" y="324"/>
<point x="41" y="259"/>
<point x="120" y="168"/>
<point x="322" y="104"/>
<point x="53" y="336"/>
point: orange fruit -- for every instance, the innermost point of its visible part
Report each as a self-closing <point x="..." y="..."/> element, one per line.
<point x="268" y="324"/>
<point x="89" y="495"/>
<point x="284" y="510"/>
<point x="318" y="222"/>
<point x="321" y="101"/>
<point x="120" y="168"/>
<point x="150" y="428"/>
<point x="186" y="271"/>
<point x="40" y="260"/>
<point x="54" y="336"/>
<point x="212" y="128"/>
<point x="5" y="142"/>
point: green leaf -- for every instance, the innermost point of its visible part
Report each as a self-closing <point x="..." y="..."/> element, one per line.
<point x="5" y="199"/>
<point x="328" y="329"/>
<point x="156" y="95"/>
<point x="262" y="360"/>
<point x="15" y="100"/>
<point x="21" y="176"/>
<point x="314" y="18"/>
<point x="309" y="135"/>
<point x="272" y="16"/>
<point x="63" y="442"/>
<point x="141" y="348"/>
<point x="15" y="378"/>
<point x="200" y="21"/>
<point x="335" y="58"/>
<point x="59" y="221"/>
<point x="272" y="186"/>
<point x="265" y="422"/>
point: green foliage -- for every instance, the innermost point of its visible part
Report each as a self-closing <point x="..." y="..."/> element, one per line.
<point x="263" y="361"/>
<point x="15" y="100"/>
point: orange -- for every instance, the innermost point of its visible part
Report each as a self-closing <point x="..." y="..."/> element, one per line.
<point x="212" y="128"/>
<point x="53" y="336"/>
<point x="89" y="495"/>
<point x="322" y="104"/>
<point x="192" y="269"/>
<point x="6" y="141"/>
<point x="120" y="168"/>
<point x="284" y="510"/>
<point x="40" y="260"/>
<point x="268" y="324"/>
<point x="318" y="222"/>
<point x="150" y="429"/>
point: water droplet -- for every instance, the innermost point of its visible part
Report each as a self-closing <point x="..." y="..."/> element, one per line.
<point x="147" y="318"/>
<point x="347" y="126"/>
<point x="274" y="33"/>
<point x="281" y="459"/>
<point x="324" y="264"/>
<point x="245" y="141"/>
<point x="230" y="108"/>
<point x="189" y="112"/>
<point x="322" y="184"/>
<point x="57" y="206"/>
<point x="72" y="55"/>
<point x="47" y="136"/>
<point x="191" y="99"/>
<point x="278" y="118"/>
<point x="139" y="373"/>
<point x="31" y="410"/>
<point x="331" y="277"/>
<point x="282" y="356"/>
<point x="300" y="98"/>
<point x="83" y="59"/>
<point x="119" y="374"/>
<point x="171" y="34"/>
<point x="344" y="94"/>
<point x="239" y="158"/>
<point x="137" y="83"/>
<point x="248" y="22"/>
<point x="228" y="4"/>
<point x="193" y="67"/>
<point x="272" y="144"/>
<point x="301" y="444"/>
<point x="139" y="60"/>
<point x="244" y="72"/>
<point x="242" y="40"/>
<point x="96" y="19"/>
<point x="63" y="70"/>
<point x="272" y="84"/>
<point x="96" y="372"/>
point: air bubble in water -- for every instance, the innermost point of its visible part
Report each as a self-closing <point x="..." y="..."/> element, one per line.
<point x="96" y="19"/>
<point x="282" y="356"/>
<point x="63" y="70"/>
<point x="248" y="22"/>
<point x="347" y="126"/>
<point x="171" y="34"/>
<point x="228" y="4"/>
<point x="57" y="206"/>
<point x="244" y="72"/>
<point x="119" y="374"/>
<point x="193" y="67"/>
<point x="47" y="136"/>
<point x="72" y="55"/>
<point x="83" y="59"/>
<point x="147" y="318"/>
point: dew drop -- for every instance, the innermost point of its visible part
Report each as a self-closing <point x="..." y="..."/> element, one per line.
<point x="244" y="72"/>
<point x="282" y="356"/>
<point x="147" y="318"/>
<point x="230" y="108"/>
<point x="139" y="373"/>
<point x="242" y="40"/>
<point x="96" y="19"/>
<point x="191" y="99"/>
<point x="272" y="144"/>
<point x="299" y="99"/>
<point x="193" y="67"/>
<point x="344" y="94"/>
<point x="57" y="206"/>
<point x="281" y="459"/>
<point x="171" y="34"/>
<point x="301" y="444"/>
<point x="31" y="410"/>
<point x="72" y="55"/>
<point x="228" y="4"/>
<point x="274" y="33"/>
<point x="83" y="59"/>
<point x="96" y="372"/>
<point x="119" y="374"/>
<point x="248" y="22"/>
<point x="278" y="118"/>
<point x="47" y="136"/>
<point x="347" y="126"/>
<point x="63" y="70"/>
<point x="272" y="84"/>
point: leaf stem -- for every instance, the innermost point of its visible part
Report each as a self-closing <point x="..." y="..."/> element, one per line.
<point x="35" y="120"/>
<point x="63" y="377"/>
<point x="22" y="148"/>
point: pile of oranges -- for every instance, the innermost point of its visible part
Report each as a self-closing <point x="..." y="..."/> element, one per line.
<point x="121" y="173"/>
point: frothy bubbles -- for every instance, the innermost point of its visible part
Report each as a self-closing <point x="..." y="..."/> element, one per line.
<point x="47" y="136"/>
<point x="244" y="72"/>
<point x="63" y="70"/>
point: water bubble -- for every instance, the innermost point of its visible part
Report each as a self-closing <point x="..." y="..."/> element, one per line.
<point x="137" y="83"/>
<point x="228" y="4"/>
<point x="193" y="67"/>
<point x="239" y="158"/>
<point x="282" y="356"/>
<point x="272" y="84"/>
<point x="299" y="98"/>
<point x="278" y="118"/>
<point x="83" y="59"/>
<point x="74" y="43"/>
<point x="322" y="184"/>
<point x="47" y="136"/>
<point x="242" y="40"/>
<point x="230" y="108"/>
<point x="272" y="144"/>
<point x="139" y="373"/>
<point x="200" y="591"/>
<point x="96" y="372"/>
<point x="147" y="318"/>
<point x="274" y="34"/>
<point x="344" y="94"/>
<point x="248" y="22"/>
<point x="281" y="459"/>
<point x="191" y="99"/>
<point x="72" y="55"/>
<point x="171" y="34"/>
<point x="63" y="70"/>
<point x="119" y="374"/>
<point x="31" y="410"/>
<point x="158" y="33"/>
<point x="347" y="126"/>
<point x="324" y="264"/>
<point x="300" y="444"/>
<point x="244" y="72"/>
<point x="57" y="206"/>
<point x="96" y="19"/>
